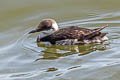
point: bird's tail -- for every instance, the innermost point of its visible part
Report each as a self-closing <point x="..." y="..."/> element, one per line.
<point x="94" y="32"/>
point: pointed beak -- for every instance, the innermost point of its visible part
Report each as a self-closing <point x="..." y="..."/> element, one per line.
<point x="33" y="31"/>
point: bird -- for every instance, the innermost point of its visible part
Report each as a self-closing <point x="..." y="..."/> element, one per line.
<point x="71" y="35"/>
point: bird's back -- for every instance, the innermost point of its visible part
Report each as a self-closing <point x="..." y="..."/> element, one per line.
<point x="73" y="32"/>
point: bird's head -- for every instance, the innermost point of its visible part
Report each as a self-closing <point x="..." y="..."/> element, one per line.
<point x="46" y="24"/>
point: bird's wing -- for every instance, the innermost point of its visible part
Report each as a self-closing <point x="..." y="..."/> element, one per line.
<point x="73" y="32"/>
<point x="94" y="32"/>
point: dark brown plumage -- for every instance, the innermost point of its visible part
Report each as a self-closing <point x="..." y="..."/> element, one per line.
<point x="73" y="32"/>
<point x="70" y="35"/>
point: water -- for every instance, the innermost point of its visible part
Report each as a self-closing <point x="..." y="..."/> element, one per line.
<point x="22" y="59"/>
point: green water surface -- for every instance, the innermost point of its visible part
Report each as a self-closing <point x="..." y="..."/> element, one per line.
<point x="21" y="58"/>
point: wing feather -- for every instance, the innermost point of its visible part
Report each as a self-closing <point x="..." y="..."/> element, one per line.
<point x="73" y="32"/>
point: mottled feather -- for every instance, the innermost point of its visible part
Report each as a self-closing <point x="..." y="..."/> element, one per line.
<point x="73" y="32"/>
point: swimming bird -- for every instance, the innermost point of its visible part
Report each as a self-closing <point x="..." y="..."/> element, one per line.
<point x="70" y="35"/>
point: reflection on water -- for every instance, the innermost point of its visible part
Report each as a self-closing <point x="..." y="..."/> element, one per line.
<point x="57" y="51"/>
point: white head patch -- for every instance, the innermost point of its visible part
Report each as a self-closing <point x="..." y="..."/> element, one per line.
<point x="55" y="26"/>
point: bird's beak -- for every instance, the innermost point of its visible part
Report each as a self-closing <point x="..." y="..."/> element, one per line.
<point x="33" y="31"/>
